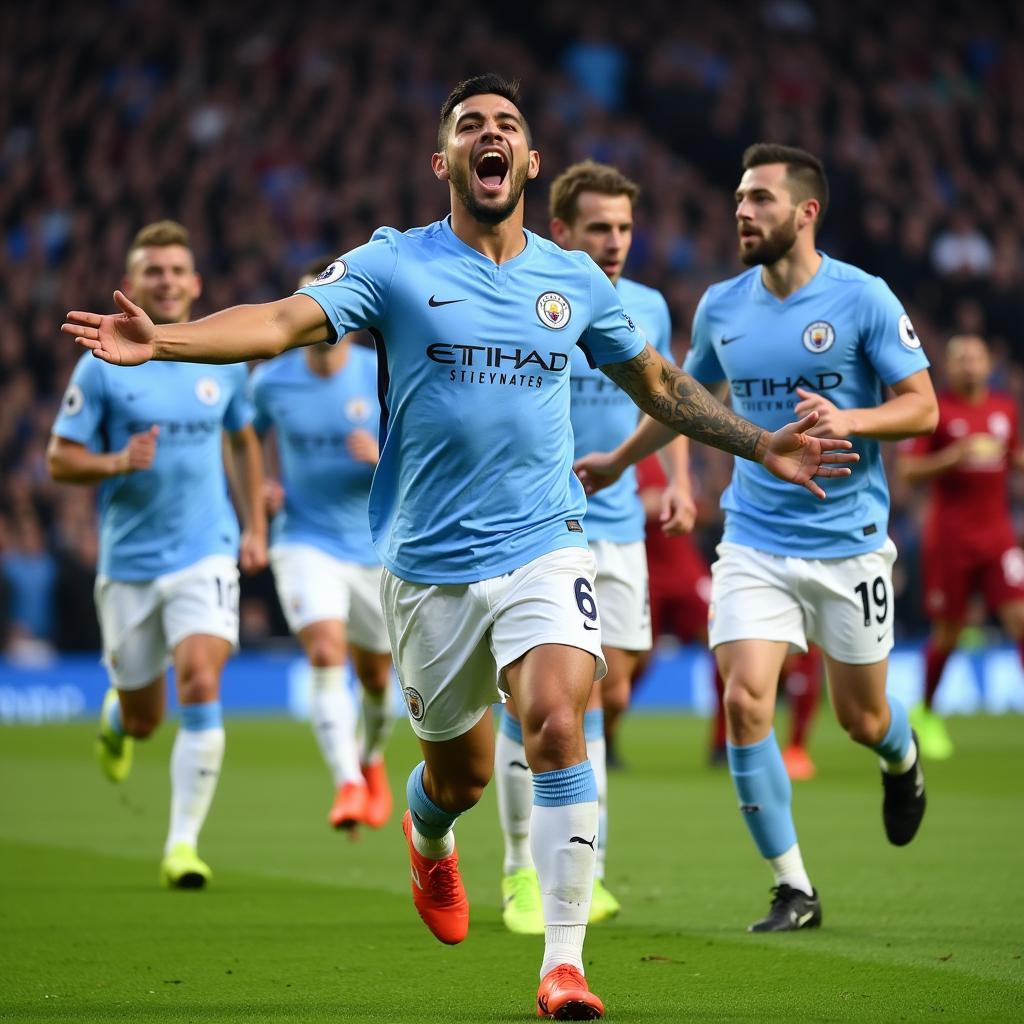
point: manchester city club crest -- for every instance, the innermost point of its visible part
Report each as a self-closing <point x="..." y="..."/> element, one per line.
<point x="357" y="410"/>
<point x="553" y="310"/>
<point x="819" y="337"/>
<point x="207" y="390"/>
<point x="414" y="702"/>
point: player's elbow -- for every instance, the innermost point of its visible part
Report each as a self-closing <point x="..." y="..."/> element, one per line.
<point x="56" y="466"/>
<point x="929" y="416"/>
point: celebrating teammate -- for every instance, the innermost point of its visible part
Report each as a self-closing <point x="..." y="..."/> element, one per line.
<point x="591" y="207"/>
<point x="970" y="543"/>
<point x="322" y="404"/>
<point x="167" y="587"/>
<point x="474" y="509"/>
<point x="800" y="332"/>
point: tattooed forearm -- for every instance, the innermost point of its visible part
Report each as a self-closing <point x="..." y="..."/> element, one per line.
<point x="677" y="400"/>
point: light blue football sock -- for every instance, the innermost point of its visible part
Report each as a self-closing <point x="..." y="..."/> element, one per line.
<point x="765" y="793"/>
<point x="430" y="820"/>
<point x="895" y="743"/>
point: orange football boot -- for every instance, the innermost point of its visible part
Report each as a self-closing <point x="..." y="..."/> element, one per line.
<point x="799" y="766"/>
<point x="564" y="995"/>
<point x="437" y="891"/>
<point x="378" y="798"/>
<point x="349" y="807"/>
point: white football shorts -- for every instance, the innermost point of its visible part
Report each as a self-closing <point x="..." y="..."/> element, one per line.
<point x="452" y="641"/>
<point x="142" y="623"/>
<point x="844" y="605"/>
<point x="623" y="593"/>
<point x="314" y="585"/>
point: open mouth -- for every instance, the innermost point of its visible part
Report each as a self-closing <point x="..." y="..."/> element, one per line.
<point x="492" y="169"/>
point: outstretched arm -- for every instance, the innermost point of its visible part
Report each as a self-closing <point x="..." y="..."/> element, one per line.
<point x="672" y="396"/>
<point x="233" y="335"/>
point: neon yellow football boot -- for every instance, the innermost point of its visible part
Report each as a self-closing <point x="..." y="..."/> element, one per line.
<point x="113" y="749"/>
<point x="521" y="908"/>
<point x="181" y="868"/>
<point x="603" y="905"/>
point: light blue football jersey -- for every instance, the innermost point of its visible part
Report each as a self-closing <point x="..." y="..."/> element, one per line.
<point x="167" y="517"/>
<point x="845" y="335"/>
<point x="603" y="416"/>
<point x="326" y="490"/>
<point x="475" y="476"/>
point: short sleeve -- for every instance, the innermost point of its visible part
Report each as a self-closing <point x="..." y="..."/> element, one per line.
<point x="84" y="404"/>
<point x="701" y="361"/>
<point x="353" y="291"/>
<point x="611" y="336"/>
<point x="239" y="412"/>
<point x="888" y="336"/>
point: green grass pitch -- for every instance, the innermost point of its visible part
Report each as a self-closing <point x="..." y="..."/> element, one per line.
<point x="301" y="924"/>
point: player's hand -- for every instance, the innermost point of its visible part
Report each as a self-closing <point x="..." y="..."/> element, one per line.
<point x="139" y="452"/>
<point x="363" y="447"/>
<point x="273" y="496"/>
<point x="124" y="339"/>
<point x="678" y="511"/>
<point x="252" y="552"/>
<point x="794" y="454"/>
<point x="832" y="421"/>
<point x="597" y="471"/>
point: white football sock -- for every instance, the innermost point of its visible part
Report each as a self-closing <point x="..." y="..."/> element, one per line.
<point x="514" y="782"/>
<point x="597" y="754"/>
<point x="563" y="841"/>
<point x="788" y="869"/>
<point x="378" y="721"/>
<point x="332" y="713"/>
<point x="195" y="768"/>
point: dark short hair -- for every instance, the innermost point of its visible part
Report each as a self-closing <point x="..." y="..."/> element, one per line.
<point x="804" y="171"/>
<point x="587" y="176"/>
<point x="479" y="85"/>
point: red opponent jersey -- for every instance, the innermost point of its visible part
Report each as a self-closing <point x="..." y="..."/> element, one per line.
<point x="970" y="504"/>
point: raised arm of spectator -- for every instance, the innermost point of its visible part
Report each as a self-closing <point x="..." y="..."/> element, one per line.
<point x="233" y="335"/>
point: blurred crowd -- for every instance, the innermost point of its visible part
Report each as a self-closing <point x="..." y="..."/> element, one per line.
<point x="280" y="134"/>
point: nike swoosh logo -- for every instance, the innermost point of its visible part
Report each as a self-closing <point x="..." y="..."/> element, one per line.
<point x="442" y="302"/>
<point x="416" y="878"/>
<point x="582" y="841"/>
<point x="587" y="625"/>
<point x="519" y="764"/>
<point x="802" y="919"/>
<point x="729" y="341"/>
<point x="881" y="636"/>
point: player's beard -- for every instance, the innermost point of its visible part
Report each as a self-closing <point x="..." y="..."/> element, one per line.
<point x="772" y="247"/>
<point x="487" y="213"/>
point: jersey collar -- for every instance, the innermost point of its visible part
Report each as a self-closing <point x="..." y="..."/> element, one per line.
<point x="458" y="245"/>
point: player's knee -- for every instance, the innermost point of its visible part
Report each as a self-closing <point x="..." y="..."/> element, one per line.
<point x="141" y="724"/>
<point x="863" y="725"/>
<point x="615" y="695"/>
<point x="376" y="679"/>
<point x="553" y="739"/>
<point x="742" y="704"/>
<point x="323" y="652"/>
<point x="198" y="684"/>
<point x="460" y="793"/>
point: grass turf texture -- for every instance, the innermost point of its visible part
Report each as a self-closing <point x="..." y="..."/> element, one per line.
<point x="302" y="924"/>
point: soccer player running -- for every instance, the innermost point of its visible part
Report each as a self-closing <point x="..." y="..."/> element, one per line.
<point x="970" y="544"/>
<point x="322" y="405"/>
<point x="801" y="332"/>
<point x="474" y="509"/>
<point x="167" y="583"/>
<point x="591" y="207"/>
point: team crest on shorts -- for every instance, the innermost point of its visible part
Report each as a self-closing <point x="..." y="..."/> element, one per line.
<point x="207" y="390"/>
<point x="335" y="272"/>
<point x="819" y="337"/>
<point x="553" y="310"/>
<point x="414" y="702"/>
<point x="908" y="336"/>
